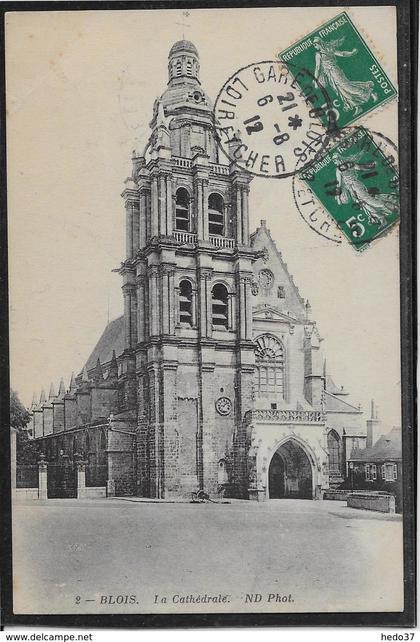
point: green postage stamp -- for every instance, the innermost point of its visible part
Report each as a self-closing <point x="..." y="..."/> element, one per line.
<point x="347" y="78"/>
<point x="358" y="185"/>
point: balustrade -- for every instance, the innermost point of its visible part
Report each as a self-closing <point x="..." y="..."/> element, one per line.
<point x="270" y="415"/>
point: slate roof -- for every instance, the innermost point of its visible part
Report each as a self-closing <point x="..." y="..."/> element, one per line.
<point x="388" y="447"/>
<point x="112" y="339"/>
<point x="332" y="388"/>
<point x="336" y="404"/>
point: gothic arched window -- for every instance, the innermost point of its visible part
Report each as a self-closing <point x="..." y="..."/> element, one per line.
<point x="216" y="215"/>
<point x="333" y="441"/>
<point x="220" y="306"/>
<point x="178" y="68"/>
<point x="269" y="371"/>
<point x="182" y="210"/>
<point x="189" y="67"/>
<point x="185" y="302"/>
<point x="222" y="476"/>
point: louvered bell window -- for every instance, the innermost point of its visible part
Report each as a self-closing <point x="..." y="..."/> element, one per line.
<point x="220" y="306"/>
<point x="185" y="303"/>
<point x="182" y="210"/>
<point x="216" y="215"/>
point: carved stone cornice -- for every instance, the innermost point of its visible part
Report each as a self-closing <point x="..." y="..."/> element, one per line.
<point x="126" y="267"/>
<point x="128" y="288"/>
<point x="130" y="193"/>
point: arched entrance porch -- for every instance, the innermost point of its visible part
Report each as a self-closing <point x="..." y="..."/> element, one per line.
<point x="290" y="472"/>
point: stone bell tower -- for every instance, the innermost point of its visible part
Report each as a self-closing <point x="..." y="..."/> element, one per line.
<point x="188" y="361"/>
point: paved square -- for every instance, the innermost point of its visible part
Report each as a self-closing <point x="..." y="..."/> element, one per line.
<point x="285" y="555"/>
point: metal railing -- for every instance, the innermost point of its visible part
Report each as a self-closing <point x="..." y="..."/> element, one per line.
<point x="27" y="476"/>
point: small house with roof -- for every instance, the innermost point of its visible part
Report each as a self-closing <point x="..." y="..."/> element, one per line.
<point x="379" y="466"/>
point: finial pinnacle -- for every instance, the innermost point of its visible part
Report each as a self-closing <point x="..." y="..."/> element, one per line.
<point x="85" y="375"/>
<point x="73" y="384"/>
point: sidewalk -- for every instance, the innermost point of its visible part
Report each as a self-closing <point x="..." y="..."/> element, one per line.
<point x="335" y="508"/>
<point x="153" y="500"/>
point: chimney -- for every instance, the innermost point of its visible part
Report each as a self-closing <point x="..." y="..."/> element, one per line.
<point x="372" y="426"/>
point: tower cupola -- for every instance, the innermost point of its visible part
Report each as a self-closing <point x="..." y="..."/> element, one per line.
<point x="184" y="65"/>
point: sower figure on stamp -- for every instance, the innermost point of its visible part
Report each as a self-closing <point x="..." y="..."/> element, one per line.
<point x="350" y="187"/>
<point x="328" y="73"/>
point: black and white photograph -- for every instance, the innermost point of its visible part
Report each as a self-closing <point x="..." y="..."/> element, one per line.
<point x="204" y="310"/>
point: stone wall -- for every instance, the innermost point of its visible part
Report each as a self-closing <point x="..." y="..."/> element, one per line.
<point x="182" y="440"/>
<point x="372" y="501"/>
<point x="336" y="495"/>
<point x="121" y="453"/>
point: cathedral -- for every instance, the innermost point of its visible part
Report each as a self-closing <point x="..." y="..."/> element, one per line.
<point x="213" y="378"/>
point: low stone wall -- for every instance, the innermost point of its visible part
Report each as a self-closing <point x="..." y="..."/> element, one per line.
<point x="381" y="502"/>
<point x="92" y="492"/>
<point x="26" y="493"/>
<point x="337" y="495"/>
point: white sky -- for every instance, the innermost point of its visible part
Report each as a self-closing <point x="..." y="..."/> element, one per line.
<point x="81" y="87"/>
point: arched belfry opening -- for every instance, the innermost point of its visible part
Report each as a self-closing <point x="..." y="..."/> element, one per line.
<point x="290" y="472"/>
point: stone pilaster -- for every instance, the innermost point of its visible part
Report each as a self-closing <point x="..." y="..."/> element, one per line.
<point x="169" y="212"/>
<point x="244" y="305"/>
<point x="143" y="218"/>
<point x="238" y="201"/>
<point x="154" y="303"/>
<point x="245" y="215"/>
<point x="204" y="300"/>
<point x="168" y="299"/>
<point x="141" y="309"/>
<point x="130" y="331"/>
<point x="155" y="437"/>
<point x="198" y="197"/>
<point x="132" y="222"/>
<point x="155" y="207"/>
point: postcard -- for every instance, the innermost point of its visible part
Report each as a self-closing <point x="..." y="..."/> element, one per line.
<point x="204" y="275"/>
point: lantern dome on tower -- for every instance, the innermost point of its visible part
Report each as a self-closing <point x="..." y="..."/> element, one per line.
<point x="183" y="63"/>
<point x="183" y="93"/>
<point x="183" y="46"/>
